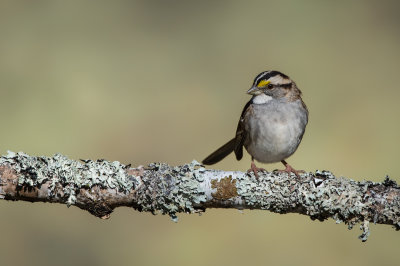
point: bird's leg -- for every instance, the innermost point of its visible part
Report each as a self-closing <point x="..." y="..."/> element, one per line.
<point x="254" y="168"/>
<point x="290" y="169"/>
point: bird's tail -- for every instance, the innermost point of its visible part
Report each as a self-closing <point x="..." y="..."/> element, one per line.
<point x="221" y="153"/>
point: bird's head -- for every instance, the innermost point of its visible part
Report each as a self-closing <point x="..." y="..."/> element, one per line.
<point x="273" y="84"/>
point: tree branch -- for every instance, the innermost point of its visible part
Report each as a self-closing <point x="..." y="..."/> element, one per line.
<point x="100" y="186"/>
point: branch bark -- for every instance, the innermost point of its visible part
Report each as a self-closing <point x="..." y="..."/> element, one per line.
<point x="100" y="186"/>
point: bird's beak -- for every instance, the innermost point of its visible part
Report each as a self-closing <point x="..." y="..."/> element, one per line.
<point x="254" y="91"/>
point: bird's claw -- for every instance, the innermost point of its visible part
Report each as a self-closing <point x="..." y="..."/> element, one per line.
<point x="290" y="169"/>
<point x="255" y="169"/>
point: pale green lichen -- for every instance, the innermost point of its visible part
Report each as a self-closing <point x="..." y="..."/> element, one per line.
<point x="69" y="174"/>
<point x="322" y="195"/>
<point x="191" y="188"/>
<point x="170" y="190"/>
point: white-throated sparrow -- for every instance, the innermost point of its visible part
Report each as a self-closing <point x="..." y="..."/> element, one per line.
<point x="272" y="123"/>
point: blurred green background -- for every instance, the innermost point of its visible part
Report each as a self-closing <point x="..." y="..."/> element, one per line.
<point x="145" y="81"/>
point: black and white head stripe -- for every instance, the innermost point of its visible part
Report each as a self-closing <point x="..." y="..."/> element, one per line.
<point x="267" y="75"/>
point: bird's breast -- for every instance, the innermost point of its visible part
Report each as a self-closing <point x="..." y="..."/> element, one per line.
<point x="274" y="130"/>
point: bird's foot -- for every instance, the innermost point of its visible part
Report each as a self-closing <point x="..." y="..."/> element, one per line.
<point x="290" y="169"/>
<point x="255" y="169"/>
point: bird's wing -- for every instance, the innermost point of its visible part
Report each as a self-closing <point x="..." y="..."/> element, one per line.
<point x="235" y="144"/>
<point x="241" y="132"/>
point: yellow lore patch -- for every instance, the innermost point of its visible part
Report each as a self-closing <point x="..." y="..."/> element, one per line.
<point x="263" y="83"/>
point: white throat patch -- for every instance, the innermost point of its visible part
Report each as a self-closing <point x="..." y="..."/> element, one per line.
<point x="262" y="98"/>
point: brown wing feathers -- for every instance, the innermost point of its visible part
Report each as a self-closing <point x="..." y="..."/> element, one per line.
<point x="235" y="144"/>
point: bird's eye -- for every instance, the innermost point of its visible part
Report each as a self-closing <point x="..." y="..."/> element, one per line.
<point x="270" y="86"/>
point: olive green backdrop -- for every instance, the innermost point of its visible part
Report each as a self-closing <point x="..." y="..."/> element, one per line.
<point x="145" y="81"/>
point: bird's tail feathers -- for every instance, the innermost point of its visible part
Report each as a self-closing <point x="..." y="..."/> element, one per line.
<point x="221" y="153"/>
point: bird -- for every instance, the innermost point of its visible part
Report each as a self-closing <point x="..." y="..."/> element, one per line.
<point x="271" y="126"/>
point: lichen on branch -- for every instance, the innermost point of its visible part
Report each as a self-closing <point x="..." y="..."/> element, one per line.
<point x="100" y="186"/>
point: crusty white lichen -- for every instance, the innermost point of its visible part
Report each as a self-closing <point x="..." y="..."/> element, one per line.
<point x="71" y="175"/>
<point x="190" y="188"/>
<point x="170" y="190"/>
<point x="322" y="195"/>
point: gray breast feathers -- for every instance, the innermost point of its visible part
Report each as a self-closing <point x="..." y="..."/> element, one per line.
<point x="275" y="129"/>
